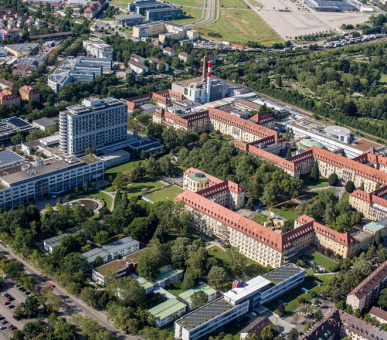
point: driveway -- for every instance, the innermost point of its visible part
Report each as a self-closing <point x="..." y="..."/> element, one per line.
<point x="277" y="320"/>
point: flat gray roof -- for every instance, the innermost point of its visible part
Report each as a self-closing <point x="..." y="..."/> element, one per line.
<point x="54" y="241"/>
<point x="45" y="122"/>
<point x="29" y="47"/>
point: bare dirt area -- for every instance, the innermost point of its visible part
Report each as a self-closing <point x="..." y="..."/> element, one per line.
<point x="297" y="19"/>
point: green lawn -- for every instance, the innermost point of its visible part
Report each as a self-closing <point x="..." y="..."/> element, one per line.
<point x="287" y="215"/>
<point x="233" y="4"/>
<point x="191" y="15"/>
<point x="120" y="168"/>
<point x="252" y="268"/>
<point x="122" y="3"/>
<point x="135" y="188"/>
<point x="383" y="78"/>
<point x="99" y="195"/>
<point x="260" y="218"/>
<point x="323" y="182"/>
<point x="193" y="3"/>
<point x="240" y="26"/>
<point x="323" y="261"/>
<point x="166" y="194"/>
<point x="345" y="197"/>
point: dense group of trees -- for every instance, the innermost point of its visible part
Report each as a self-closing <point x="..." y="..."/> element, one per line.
<point x="338" y="215"/>
<point x="261" y="179"/>
<point x="323" y="82"/>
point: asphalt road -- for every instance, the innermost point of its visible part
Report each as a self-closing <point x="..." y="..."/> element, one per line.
<point x="71" y="304"/>
<point x="210" y="10"/>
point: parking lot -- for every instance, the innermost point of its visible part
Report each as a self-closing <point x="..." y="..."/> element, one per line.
<point x="7" y="313"/>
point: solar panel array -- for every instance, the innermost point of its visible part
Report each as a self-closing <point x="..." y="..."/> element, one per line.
<point x="19" y="123"/>
<point x="281" y="273"/>
<point x="9" y="157"/>
<point x="4" y="127"/>
<point x="204" y="314"/>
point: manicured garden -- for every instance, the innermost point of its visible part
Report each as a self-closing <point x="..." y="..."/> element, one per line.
<point x="322" y="183"/>
<point x="323" y="261"/>
<point x="120" y="168"/>
<point x="135" y="188"/>
<point x="165" y="194"/>
<point x="260" y="218"/>
<point x="99" y="195"/>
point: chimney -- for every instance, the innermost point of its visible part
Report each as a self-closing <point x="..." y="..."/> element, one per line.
<point x="209" y="81"/>
<point x="204" y="68"/>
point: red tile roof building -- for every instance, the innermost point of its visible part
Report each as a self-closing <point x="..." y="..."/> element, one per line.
<point x="209" y="198"/>
<point x="29" y="93"/>
<point x="338" y="324"/>
<point x="8" y="98"/>
<point x="366" y="293"/>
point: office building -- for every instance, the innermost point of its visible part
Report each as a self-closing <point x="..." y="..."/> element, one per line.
<point x="338" y="324"/>
<point x="132" y="5"/>
<point x="167" y="13"/>
<point x="22" y="50"/>
<point x="27" y="183"/>
<point x="77" y="69"/>
<point x="129" y="19"/>
<point x="330" y="5"/>
<point x="337" y="139"/>
<point x="51" y="243"/>
<point x="209" y="319"/>
<point x="95" y="122"/>
<point x="367" y="292"/>
<point x="98" y="48"/>
<point x="113" y="250"/>
<point x="167" y="311"/>
<point x="142" y="8"/>
<point x="8" y="126"/>
<point x="163" y="29"/>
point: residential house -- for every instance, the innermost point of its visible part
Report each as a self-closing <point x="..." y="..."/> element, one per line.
<point x="137" y="58"/>
<point x="183" y="56"/>
<point x="9" y="98"/>
<point x="169" y="51"/>
<point x="137" y="67"/>
<point x="6" y="84"/>
<point x="158" y="62"/>
<point x="29" y="93"/>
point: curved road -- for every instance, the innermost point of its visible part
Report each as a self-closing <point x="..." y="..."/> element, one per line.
<point x="210" y="10"/>
<point x="71" y="304"/>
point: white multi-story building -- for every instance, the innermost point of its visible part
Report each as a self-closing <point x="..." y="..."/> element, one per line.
<point x="209" y="319"/>
<point x="98" y="48"/>
<point x="96" y="122"/>
<point x="36" y="180"/>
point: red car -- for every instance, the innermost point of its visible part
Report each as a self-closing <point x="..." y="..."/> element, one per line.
<point x="6" y="303"/>
<point x="52" y="285"/>
<point x="13" y="328"/>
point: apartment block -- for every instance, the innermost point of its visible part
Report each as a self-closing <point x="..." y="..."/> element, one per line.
<point x="366" y="293"/>
<point x="168" y="13"/>
<point x="29" y="93"/>
<point x="338" y="324"/>
<point x="9" y="98"/>
<point x="95" y="122"/>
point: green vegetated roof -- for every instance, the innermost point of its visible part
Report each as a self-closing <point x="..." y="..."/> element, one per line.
<point x="166" y="273"/>
<point x="203" y="287"/>
<point x="373" y="226"/>
<point x="198" y="176"/>
<point x="310" y="142"/>
<point x="144" y="283"/>
<point x="166" y="308"/>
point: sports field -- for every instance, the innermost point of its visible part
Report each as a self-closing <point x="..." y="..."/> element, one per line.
<point x="240" y="26"/>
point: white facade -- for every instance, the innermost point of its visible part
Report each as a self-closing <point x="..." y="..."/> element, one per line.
<point x="52" y="176"/>
<point x="96" y="122"/>
<point x="53" y="242"/>
<point x="98" y="48"/>
<point x="192" y="327"/>
<point x="137" y="67"/>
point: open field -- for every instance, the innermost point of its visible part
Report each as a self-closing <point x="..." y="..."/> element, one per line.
<point x="193" y="3"/>
<point x="122" y="3"/>
<point x="240" y="26"/>
<point x="166" y="194"/>
<point x="301" y="19"/>
<point x="323" y="261"/>
<point x="135" y="188"/>
<point x="287" y="215"/>
<point x="192" y="14"/>
<point x="233" y="4"/>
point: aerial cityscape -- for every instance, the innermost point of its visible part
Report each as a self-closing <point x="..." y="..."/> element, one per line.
<point x="193" y="169"/>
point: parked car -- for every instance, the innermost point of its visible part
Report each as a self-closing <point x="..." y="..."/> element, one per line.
<point x="5" y="294"/>
<point x="13" y="328"/>
<point x="3" y="327"/>
<point x="52" y="285"/>
<point x="10" y="298"/>
<point x="16" y="285"/>
<point x="10" y="326"/>
<point x="27" y="292"/>
<point x="16" y="318"/>
<point x="6" y="303"/>
<point x="4" y="322"/>
<point x="11" y="306"/>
